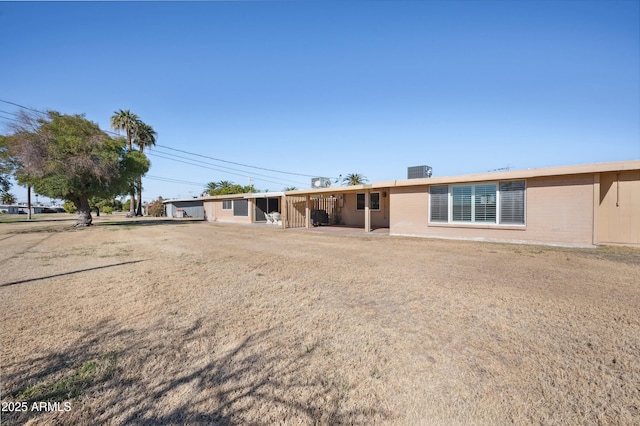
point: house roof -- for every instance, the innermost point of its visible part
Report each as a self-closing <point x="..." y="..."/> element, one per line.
<point x="482" y="177"/>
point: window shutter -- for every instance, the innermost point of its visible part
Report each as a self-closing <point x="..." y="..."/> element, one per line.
<point x="439" y="208"/>
<point x="512" y="202"/>
<point x="461" y="198"/>
<point x="485" y="203"/>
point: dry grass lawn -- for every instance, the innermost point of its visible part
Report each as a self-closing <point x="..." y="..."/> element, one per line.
<point x="183" y="322"/>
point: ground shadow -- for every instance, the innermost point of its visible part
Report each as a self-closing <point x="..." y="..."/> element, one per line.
<point x="133" y="222"/>
<point x="159" y="381"/>
<point x="68" y="273"/>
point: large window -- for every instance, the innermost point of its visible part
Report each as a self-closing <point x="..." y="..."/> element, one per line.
<point x="502" y="203"/>
<point x="374" y="201"/>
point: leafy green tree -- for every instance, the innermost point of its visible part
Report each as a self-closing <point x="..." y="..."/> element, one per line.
<point x="145" y="136"/>
<point x="225" y="187"/>
<point x="290" y="188"/>
<point x="128" y="122"/>
<point x="7" y="166"/>
<point x="355" y="179"/>
<point x="69" y="157"/>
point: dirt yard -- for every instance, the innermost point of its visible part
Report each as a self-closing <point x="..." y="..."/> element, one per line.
<point x="182" y="322"/>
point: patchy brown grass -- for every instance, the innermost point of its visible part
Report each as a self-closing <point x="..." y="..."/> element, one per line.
<point x="146" y="322"/>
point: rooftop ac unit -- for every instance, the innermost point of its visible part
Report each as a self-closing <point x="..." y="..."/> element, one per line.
<point x="418" y="172"/>
<point x="320" y="182"/>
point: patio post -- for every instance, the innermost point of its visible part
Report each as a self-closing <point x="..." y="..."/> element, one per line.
<point x="307" y="212"/>
<point x="367" y="211"/>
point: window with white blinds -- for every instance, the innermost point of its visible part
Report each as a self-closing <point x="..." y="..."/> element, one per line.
<point x="227" y="204"/>
<point x="439" y="211"/>
<point x="512" y="202"/>
<point x="502" y="203"/>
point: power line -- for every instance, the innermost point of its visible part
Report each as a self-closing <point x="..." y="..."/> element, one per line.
<point x="22" y="106"/>
<point x="245" y="172"/>
<point x="12" y="113"/>
<point x="190" y="153"/>
<point x="212" y="168"/>
<point x="170" y="180"/>
<point x="233" y="162"/>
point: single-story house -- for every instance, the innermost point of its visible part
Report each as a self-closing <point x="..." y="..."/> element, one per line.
<point x="242" y="208"/>
<point x="12" y="208"/>
<point x="580" y="205"/>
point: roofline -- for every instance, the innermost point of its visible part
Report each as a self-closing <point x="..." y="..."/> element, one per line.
<point x="616" y="166"/>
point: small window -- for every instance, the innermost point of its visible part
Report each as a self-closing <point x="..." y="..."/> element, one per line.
<point x="227" y="205"/>
<point x="374" y="201"/>
<point x="241" y="207"/>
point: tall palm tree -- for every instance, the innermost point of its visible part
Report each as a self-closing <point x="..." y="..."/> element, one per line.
<point x="144" y="136"/>
<point x="128" y="122"/>
<point x="355" y="179"/>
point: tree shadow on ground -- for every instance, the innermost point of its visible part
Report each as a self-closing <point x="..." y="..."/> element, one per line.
<point x="136" y="222"/>
<point x="165" y="374"/>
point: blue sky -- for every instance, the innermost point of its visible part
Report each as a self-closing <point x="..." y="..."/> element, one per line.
<point x="331" y="88"/>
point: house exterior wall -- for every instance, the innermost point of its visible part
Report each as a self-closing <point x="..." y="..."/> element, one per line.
<point x="558" y="210"/>
<point x="215" y="213"/>
<point x="619" y="208"/>
<point x="350" y="216"/>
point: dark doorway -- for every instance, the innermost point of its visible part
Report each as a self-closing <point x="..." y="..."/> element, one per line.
<point x="266" y="205"/>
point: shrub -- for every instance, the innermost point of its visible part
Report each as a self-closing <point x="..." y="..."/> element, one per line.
<point x="156" y="208"/>
<point x="69" y="207"/>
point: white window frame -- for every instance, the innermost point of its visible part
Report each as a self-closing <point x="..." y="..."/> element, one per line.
<point x="472" y="222"/>
<point x="228" y="204"/>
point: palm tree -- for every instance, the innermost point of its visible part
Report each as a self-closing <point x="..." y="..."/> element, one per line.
<point x="8" y="198"/>
<point x="225" y="187"/>
<point x="290" y="188"/>
<point x="211" y="188"/>
<point x="127" y="121"/>
<point x="355" y="179"/>
<point x="144" y="136"/>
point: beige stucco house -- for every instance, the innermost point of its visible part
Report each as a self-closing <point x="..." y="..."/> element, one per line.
<point x="574" y="205"/>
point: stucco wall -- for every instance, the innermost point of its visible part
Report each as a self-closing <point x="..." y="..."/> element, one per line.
<point x="215" y="213"/>
<point x="619" y="208"/>
<point x="351" y="217"/>
<point x="558" y="210"/>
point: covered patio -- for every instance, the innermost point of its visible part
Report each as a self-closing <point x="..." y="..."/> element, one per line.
<point x="342" y="209"/>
